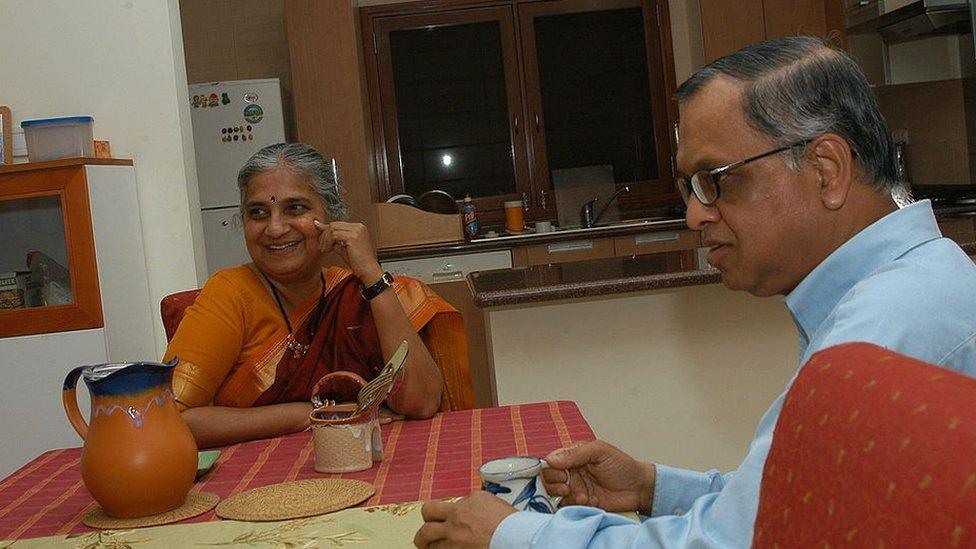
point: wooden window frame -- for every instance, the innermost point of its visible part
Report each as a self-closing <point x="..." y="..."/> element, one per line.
<point x="386" y="125"/>
<point x="70" y="185"/>
<point x="661" y="81"/>
<point x="647" y="193"/>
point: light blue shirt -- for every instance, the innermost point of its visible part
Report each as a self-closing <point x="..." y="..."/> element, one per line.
<point x="897" y="284"/>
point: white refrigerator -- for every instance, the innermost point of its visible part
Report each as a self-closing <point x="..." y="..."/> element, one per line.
<point x="231" y="121"/>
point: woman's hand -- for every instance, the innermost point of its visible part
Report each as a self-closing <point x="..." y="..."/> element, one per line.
<point x="351" y="242"/>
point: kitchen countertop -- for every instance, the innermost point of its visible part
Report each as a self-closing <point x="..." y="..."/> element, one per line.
<point x="622" y="228"/>
<point x="599" y="277"/>
<point x="608" y="276"/>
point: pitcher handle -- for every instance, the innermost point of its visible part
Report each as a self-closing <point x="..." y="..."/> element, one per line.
<point x="70" y="402"/>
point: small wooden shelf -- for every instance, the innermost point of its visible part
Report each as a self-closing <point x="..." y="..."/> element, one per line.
<point x="62" y="162"/>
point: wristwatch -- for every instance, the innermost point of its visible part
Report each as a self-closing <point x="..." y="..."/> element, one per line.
<point x="382" y="284"/>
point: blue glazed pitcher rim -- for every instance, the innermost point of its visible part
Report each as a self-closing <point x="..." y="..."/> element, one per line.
<point x="99" y="372"/>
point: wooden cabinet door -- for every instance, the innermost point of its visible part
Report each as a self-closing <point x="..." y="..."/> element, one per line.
<point x="794" y="18"/>
<point x="48" y="210"/>
<point x="730" y="26"/>
<point x="459" y="295"/>
<point x="656" y="242"/>
<point x="568" y="251"/>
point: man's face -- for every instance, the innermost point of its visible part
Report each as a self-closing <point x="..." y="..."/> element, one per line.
<point x="762" y="230"/>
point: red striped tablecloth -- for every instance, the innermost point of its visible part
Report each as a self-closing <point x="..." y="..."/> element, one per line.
<point x="435" y="458"/>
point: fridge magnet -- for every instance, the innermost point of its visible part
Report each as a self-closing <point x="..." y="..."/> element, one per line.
<point x="224" y="98"/>
<point x="214" y="100"/>
<point x="253" y="113"/>
<point x="250" y="97"/>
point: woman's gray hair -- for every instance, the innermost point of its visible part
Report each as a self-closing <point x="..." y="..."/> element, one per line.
<point x="798" y="88"/>
<point x="303" y="160"/>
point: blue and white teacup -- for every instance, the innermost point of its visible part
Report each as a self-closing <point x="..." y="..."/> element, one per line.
<point x="517" y="481"/>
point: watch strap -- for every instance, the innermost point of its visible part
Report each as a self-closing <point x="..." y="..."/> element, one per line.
<point x="381" y="285"/>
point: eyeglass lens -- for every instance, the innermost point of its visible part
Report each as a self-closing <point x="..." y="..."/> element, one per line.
<point x="702" y="184"/>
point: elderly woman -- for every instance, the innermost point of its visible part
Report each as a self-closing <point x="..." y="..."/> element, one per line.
<point x="259" y="336"/>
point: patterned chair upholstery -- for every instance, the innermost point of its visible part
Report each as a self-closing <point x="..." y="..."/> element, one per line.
<point x="446" y="342"/>
<point x="872" y="449"/>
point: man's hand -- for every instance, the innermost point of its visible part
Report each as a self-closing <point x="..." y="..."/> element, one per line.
<point x="468" y="523"/>
<point x="600" y="475"/>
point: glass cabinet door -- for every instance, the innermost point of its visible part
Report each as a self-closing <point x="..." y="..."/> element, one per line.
<point x="48" y="275"/>
<point x="451" y="105"/>
<point x="596" y="99"/>
<point x="34" y="266"/>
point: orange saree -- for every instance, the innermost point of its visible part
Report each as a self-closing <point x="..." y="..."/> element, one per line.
<point x="232" y="342"/>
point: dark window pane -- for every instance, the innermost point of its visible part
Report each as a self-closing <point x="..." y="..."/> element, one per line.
<point x="595" y="92"/>
<point x="452" y="110"/>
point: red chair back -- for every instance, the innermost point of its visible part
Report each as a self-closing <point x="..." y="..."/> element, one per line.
<point x="872" y="449"/>
<point x="172" y="308"/>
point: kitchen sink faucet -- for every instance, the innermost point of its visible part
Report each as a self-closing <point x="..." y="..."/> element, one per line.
<point x="586" y="211"/>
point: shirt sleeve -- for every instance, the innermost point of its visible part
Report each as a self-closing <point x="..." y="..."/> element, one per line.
<point x="675" y="490"/>
<point x="208" y="342"/>
<point x="681" y="499"/>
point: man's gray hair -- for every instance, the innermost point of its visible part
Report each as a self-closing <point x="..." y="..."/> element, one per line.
<point x="798" y="88"/>
<point x="305" y="161"/>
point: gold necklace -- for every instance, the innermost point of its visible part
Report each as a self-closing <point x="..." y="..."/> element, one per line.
<point x="297" y="348"/>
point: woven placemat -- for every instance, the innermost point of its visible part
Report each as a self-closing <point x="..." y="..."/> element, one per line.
<point x="290" y="500"/>
<point x="197" y="503"/>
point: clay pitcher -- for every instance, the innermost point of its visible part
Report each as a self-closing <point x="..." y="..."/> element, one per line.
<point x="139" y="457"/>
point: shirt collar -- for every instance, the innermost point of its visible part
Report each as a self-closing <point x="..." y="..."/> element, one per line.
<point x="881" y="242"/>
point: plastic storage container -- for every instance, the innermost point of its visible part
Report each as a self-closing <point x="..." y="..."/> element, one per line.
<point x="63" y="137"/>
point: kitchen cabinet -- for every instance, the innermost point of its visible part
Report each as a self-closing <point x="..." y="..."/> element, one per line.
<point x="446" y="275"/>
<point x="501" y="99"/>
<point x="83" y="215"/>
<point x="563" y="252"/>
<point x="587" y="249"/>
<point x="729" y="26"/>
<point x="656" y="242"/>
<point x="960" y="229"/>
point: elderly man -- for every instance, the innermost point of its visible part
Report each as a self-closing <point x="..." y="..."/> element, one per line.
<point x="791" y="176"/>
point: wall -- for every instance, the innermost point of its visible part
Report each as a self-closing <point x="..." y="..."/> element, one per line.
<point x="677" y="376"/>
<point x="122" y="62"/>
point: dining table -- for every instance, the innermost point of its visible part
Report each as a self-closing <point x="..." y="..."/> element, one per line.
<point x="42" y="503"/>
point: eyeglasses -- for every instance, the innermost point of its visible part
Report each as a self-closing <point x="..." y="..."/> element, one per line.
<point x="704" y="183"/>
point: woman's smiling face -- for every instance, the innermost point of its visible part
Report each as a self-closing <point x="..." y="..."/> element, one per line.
<point x="278" y="209"/>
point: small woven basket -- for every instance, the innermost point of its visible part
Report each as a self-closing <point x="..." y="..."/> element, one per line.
<point x="345" y="448"/>
<point x="344" y="443"/>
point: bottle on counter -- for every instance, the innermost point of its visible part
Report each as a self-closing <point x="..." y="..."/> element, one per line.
<point x="468" y="214"/>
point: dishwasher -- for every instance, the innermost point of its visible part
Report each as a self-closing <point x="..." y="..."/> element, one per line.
<point x="447" y="275"/>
